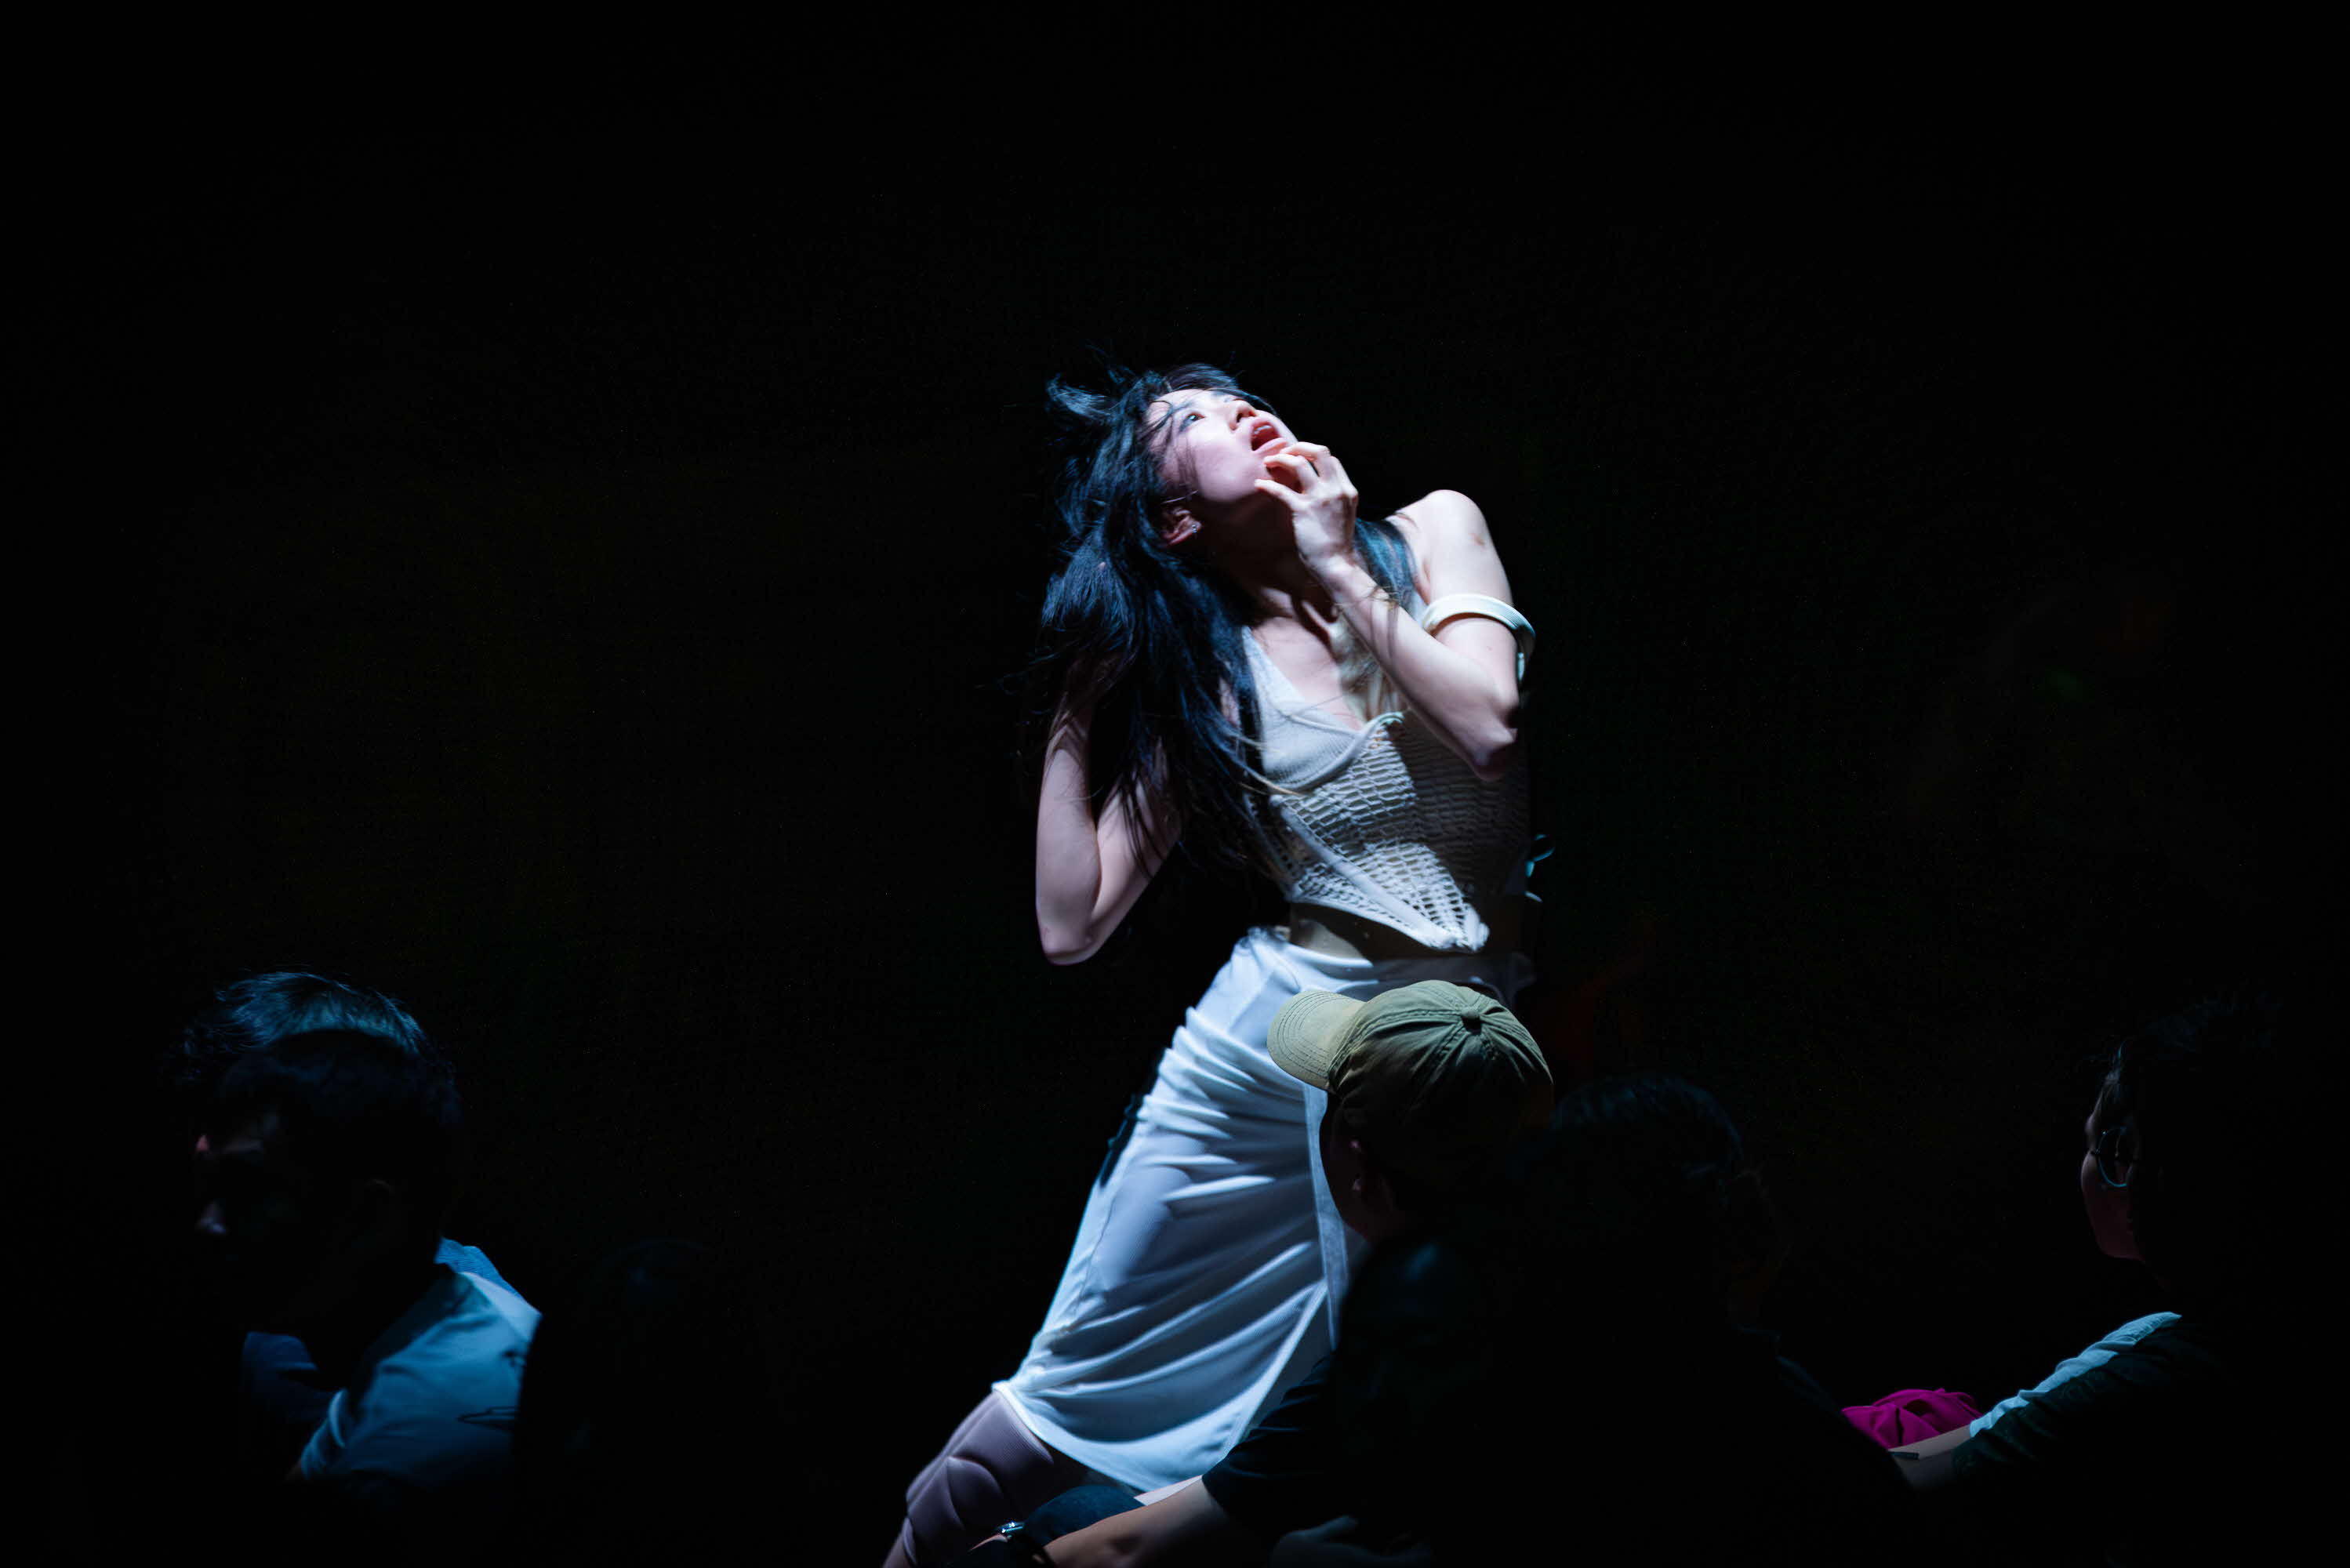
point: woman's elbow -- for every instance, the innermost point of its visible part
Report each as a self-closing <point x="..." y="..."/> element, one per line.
<point x="1066" y="944"/>
<point x="1492" y="757"/>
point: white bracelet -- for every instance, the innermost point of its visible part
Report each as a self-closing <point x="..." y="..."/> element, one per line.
<point x="1521" y="630"/>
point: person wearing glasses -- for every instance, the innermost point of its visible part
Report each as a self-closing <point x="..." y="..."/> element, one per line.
<point x="2170" y="1439"/>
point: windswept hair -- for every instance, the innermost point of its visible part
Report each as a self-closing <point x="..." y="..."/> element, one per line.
<point x="1142" y="642"/>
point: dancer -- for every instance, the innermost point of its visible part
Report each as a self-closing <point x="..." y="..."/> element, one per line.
<point x="1242" y="664"/>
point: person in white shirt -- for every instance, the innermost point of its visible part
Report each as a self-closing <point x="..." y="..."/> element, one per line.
<point x="282" y="1397"/>
<point x="327" y="1168"/>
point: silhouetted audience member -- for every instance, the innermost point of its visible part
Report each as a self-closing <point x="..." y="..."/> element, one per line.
<point x="648" y="1429"/>
<point x="1430" y="1087"/>
<point x="1560" y="1375"/>
<point x="327" y="1166"/>
<point x="2184" y="1436"/>
<point x="280" y="1393"/>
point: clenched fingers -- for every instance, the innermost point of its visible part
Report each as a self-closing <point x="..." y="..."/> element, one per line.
<point x="1296" y="464"/>
<point x="1326" y="465"/>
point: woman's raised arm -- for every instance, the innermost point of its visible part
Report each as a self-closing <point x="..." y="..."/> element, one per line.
<point x="1463" y="679"/>
<point x="1089" y="869"/>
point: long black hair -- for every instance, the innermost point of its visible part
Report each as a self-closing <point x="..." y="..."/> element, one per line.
<point x="1143" y="641"/>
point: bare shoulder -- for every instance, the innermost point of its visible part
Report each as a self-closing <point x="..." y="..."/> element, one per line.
<point x="1452" y="548"/>
<point x="1441" y="515"/>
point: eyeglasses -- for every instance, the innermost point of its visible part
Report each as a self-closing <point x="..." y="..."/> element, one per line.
<point x="2108" y="1150"/>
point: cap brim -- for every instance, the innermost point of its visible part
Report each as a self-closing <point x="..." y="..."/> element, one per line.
<point x="1305" y="1032"/>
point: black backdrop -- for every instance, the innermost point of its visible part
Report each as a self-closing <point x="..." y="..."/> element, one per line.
<point x="586" y="601"/>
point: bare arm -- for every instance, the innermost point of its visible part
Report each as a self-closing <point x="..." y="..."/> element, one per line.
<point x="1185" y="1527"/>
<point x="1088" y="870"/>
<point x="1463" y="677"/>
<point x="1464" y="673"/>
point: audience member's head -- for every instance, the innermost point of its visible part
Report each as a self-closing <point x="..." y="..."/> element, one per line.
<point x="646" y="1419"/>
<point x="1429" y="1085"/>
<point x="254" y="1012"/>
<point x="329" y="1164"/>
<point x="1643" y="1180"/>
<point x="1574" y="1322"/>
<point x="2196" y="1165"/>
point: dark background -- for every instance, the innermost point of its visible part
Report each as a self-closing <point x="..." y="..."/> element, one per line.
<point x="582" y="593"/>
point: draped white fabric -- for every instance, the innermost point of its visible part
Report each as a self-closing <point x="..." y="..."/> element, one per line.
<point x="1209" y="1266"/>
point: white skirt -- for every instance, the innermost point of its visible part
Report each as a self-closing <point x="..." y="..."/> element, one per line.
<point x="1208" y="1268"/>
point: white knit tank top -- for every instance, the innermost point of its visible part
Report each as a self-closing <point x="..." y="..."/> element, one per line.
<point x="1386" y="822"/>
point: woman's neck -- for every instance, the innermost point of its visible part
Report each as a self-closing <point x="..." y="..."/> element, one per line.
<point x="1281" y="588"/>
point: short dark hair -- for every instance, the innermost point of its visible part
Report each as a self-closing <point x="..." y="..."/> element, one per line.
<point x="351" y="1106"/>
<point x="2217" y="1187"/>
<point x="1642" y="1180"/>
<point x="252" y="1014"/>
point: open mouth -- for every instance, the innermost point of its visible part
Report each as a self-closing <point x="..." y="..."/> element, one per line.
<point x="1266" y="434"/>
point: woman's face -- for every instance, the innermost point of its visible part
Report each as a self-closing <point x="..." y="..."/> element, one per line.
<point x="1212" y="450"/>
<point x="2109" y="1206"/>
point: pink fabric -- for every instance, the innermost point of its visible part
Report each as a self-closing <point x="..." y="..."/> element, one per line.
<point x="1913" y="1415"/>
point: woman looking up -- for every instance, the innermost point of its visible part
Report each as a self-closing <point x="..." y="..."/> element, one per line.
<point x="1242" y="664"/>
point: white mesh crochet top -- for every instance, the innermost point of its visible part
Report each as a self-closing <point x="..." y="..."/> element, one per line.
<point x="1386" y="822"/>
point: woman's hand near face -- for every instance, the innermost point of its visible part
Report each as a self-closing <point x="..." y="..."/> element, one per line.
<point x="1310" y="482"/>
<point x="1462" y="679"/>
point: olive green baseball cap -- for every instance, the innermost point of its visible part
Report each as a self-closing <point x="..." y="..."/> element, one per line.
<point x="1436" y="1079"/>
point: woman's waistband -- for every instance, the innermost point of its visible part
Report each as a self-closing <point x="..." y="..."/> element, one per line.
<point x="1337" y="934"/>
<point x="1503" y="969"/>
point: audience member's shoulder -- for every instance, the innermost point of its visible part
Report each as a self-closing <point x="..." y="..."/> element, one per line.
<point x="458" y="1354"/>
<point x="2163" y="1451"/>
<point x="2178" y="1399"/>
<point x="469" y="1259"/>
<point x="457" y="1306"/>
<point x="1427" y="1264"/>
<point x="439" y="1400"/>
<point x="494" y="1302"/>
<point x="2212" y="1341"/>
<point x="2174" y="1367"/>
